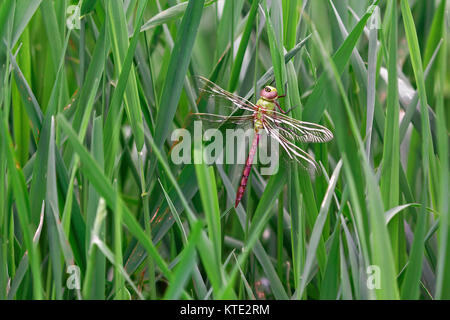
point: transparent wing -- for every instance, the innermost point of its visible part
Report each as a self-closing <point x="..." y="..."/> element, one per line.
<point x="217" y="121"/>
<point x="293" y="129"/>
<point x="222" y="120"/>
<point x="292" y="150"/>
<point x="210" y="89"/>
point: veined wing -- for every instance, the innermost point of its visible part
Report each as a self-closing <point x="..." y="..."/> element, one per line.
<point x="220" y="119"/>
<point x="210" y="89"/>
<point x="293" y="129"/>
<point x="292" y="150"/>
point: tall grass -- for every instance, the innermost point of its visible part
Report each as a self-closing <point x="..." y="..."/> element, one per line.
<point x="92" y="206"/>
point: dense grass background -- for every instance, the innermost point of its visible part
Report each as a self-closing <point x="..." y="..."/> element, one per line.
<point x="86" y="177"/>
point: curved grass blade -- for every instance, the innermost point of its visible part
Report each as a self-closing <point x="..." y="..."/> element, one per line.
<point x="316" y="233"/>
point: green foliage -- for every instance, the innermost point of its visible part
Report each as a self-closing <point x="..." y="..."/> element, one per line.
<point x="87" y="178"/>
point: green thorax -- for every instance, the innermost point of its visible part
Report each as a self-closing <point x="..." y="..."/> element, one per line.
<point x="267" y="105"/>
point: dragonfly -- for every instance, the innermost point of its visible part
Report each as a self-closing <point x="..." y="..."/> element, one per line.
<point x="265" y="116"/>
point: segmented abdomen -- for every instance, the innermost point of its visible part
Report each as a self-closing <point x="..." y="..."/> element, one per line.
<point x="247" y="168"/>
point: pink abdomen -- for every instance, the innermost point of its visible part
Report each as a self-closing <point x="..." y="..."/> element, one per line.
<point x="247" y="168"/>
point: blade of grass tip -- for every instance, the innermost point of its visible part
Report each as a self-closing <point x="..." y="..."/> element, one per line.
<point x="24" y="11"/>
<point x="111" y="257"/>
<point x="395" y="210"/>
<point x="178" y="65"/>
<point x="237" y="64"/>
<point x="352" y="253"/>
<point x="316" y="233"/>
<point x="189" y="188"/>
<point x="174" y="213"/>
<point x="52" y="204"/>
<point x="40" y="173"/>
<point x="23" y="207"/>
<point x="208" y="194"/>
<point x="118" y="32"/>
<point x="97" y="287"/>
<point x="95" y="266"/>
<point x="411" y="286"/>
<point x="186" y="264"/>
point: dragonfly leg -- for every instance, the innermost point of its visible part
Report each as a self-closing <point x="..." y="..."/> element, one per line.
<point x="289" y="110"/>
<point x="279" y="108"/>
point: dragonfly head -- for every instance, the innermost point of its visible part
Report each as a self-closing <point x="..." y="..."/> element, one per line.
<point x="269" y="93"/>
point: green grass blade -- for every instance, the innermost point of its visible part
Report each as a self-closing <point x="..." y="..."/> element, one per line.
<point x="414" y="271"/>
<point x="208" y="193"/>
<point x="317" y="230"/>
<point x="105" y="189"/>
<point x="185" y="265"/>
<point x="23" y="208"/>
<point x="443" y="277"/>
<point x="119" y="42"/>
<point x="237" y="64"/>
<point x="391" y="148"/>
<point x="316" y="103"/>
<point x="178" y="65"/>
